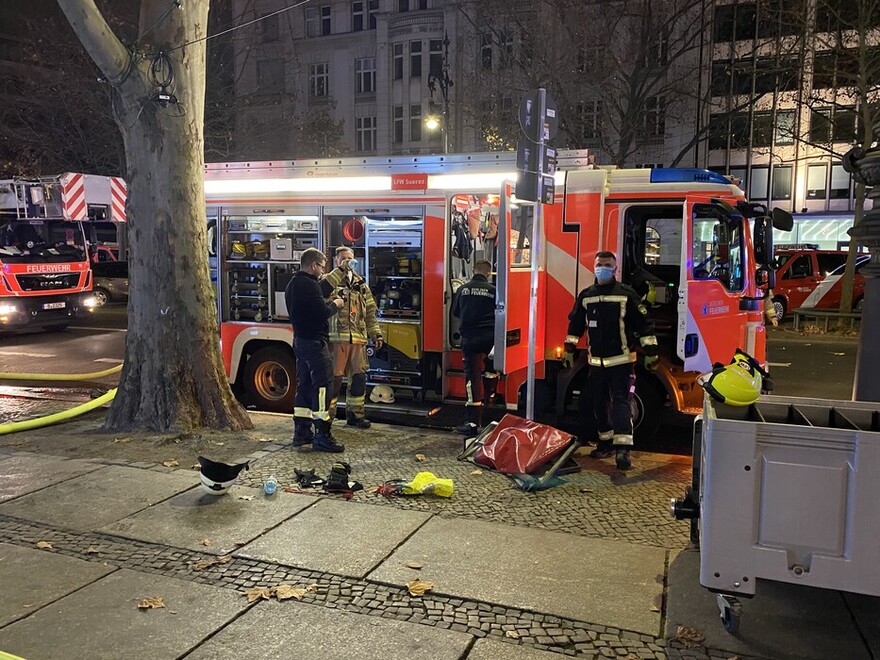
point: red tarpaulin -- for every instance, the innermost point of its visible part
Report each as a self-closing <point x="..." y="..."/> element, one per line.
<point x="518" y="446"/>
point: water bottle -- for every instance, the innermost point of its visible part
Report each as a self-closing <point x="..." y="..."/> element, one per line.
<point x="270" y="486"/>
<point x="353" y="265"/>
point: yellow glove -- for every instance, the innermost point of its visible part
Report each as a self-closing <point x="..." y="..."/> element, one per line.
<point x="651" y="361"/>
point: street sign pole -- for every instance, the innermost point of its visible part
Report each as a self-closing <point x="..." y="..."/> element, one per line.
<point x="534" y="249"/>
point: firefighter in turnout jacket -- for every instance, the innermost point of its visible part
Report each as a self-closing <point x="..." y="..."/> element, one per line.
<point x="614" y="318"/>
<point x="474" y="306"/>
<point x="348" y="335"/>
<point x="309" y="312"/>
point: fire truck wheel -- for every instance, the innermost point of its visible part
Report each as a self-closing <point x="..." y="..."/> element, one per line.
<point x="270" y="379"/>
<point x="779" y="304"/>
<point x="647" y="407"/>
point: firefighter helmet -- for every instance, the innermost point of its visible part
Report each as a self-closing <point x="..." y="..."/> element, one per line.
<point x="736" y="384"/>
<point x="217" y="477"/>
<point x="382" y="394"/>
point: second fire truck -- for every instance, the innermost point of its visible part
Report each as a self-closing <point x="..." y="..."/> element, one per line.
<point x="686" y="239"/>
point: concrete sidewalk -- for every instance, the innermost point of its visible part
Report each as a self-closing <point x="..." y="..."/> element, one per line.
<point x="593" y="568"/>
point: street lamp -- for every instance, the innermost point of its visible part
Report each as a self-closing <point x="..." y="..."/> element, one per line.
<point x="440" y="81"/>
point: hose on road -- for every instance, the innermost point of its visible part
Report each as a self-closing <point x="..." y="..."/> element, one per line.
<point x="62" y="377"/>
<point x="48" y="420"/>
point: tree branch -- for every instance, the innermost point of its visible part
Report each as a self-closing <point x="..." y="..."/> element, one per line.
<point x="112" y="58"/>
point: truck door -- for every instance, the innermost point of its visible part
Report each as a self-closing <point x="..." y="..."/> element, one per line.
<point x="715" y="265"/>
<point x="513" y="284"/>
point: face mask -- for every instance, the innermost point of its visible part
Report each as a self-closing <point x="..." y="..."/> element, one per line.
<point x="604" y="274"/>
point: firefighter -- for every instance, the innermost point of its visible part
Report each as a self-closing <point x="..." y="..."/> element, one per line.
<point x="613" y="317"/>
<point x="474" y="306"/>
<point x="309" y="313"/>
<point x="348" y="335"/>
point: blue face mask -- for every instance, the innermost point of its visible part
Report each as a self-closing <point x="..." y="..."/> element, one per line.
<point x="604" y="274"/>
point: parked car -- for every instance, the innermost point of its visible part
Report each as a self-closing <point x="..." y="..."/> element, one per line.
<point x="814" y="279"/>
<point x="110" y="281"/>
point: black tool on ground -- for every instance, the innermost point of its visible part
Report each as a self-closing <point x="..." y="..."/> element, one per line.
<point x="338" y="479"/>
<point x="307" y="478"/>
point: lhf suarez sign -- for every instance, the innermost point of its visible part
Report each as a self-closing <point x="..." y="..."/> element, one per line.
<point x="536" y="161"/>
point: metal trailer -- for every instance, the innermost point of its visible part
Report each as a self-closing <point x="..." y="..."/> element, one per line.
<point x="786" y="489"/>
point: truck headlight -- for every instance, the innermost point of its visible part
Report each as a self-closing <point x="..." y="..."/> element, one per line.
<point x="8" y="308"/>
<point x="89" y="302"/>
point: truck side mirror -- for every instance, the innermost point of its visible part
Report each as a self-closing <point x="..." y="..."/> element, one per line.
<point x="763" y="240"/>
<point x="765" y="277"/>
<point x="782" y="220"/>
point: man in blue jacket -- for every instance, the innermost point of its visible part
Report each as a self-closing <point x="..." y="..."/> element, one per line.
<point x="309" y="314"/>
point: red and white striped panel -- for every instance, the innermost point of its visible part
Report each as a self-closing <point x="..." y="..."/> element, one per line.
<point x="118" y="193"/>
<point x="73" y="196"/>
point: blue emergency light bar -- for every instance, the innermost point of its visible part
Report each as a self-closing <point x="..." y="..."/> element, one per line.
<point x="686" y="175"/>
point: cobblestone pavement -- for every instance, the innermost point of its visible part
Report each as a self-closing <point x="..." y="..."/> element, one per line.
<point x="599" y="501"/>
<point x="480" y="619"/>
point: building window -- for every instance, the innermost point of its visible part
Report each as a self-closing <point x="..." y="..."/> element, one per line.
<point x="505" y="44"/>
<point x="829" y="125"/>
<point x="486" y="52"/>
<point x="758" y="183"/>
<point x="397" y="61"/>
<point x="840" y="182"/>
<point x="735" y="22"/>
<point x="415" y="59"/>
<point x="365" y="75"/>
<point x="357" y="17"/>
<point x="270" y="28"/>
<point x="782" y="182"/>
<point x="319" y="80"/>
<point x="398" y="124"/>
<point x="768" y="133"/>
<point x="373" y="8"/>
<point x="312" y="22"/>
<point x="415" y="123"/>
<point x="816" y="175"/>
<point x="654" y="117"/>
<point x="270" y="76"/>
<point x="365" y="133"/>
<point x="720" y="78"/>
<point x="325" y="21"/>
<point x="435" y="58"/>
<point x="590" y="113"/>
<point x="402" y="5"/>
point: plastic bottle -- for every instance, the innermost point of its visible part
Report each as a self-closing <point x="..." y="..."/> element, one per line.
<point x="270" y="486"/>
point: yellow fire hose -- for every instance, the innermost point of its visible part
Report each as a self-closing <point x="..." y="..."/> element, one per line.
<point x="55" y="418"/>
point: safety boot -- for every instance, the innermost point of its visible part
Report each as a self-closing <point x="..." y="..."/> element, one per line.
<point x="302" y="432"/>
<point x="622" y="459"/>
<point x="324" y="440"/>
<point x="602" y="450"/>
<point x="358" y="422"/>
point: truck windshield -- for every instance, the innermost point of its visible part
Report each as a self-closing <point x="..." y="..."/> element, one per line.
<point x="41" y="241"/>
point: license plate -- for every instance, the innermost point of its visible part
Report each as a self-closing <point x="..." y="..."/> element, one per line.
<point x="54" y="305"/>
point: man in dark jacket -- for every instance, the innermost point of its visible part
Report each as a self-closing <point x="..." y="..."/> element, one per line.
<point x="309" y="314"/>
<point x="614" y="318"/>
<point x="474" y="306"/>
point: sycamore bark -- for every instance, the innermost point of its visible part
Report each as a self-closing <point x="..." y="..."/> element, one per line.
<point x="173" y="379"/>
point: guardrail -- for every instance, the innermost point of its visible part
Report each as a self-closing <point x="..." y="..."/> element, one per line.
<point x="825" y="315"/>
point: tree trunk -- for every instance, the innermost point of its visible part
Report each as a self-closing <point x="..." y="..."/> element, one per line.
<point x="173" y="379"/>
<point x="849" y="271"/>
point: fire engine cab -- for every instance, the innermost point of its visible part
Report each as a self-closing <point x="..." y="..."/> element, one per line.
<point x="44" y="245"/>
<point x="685" y="239"/>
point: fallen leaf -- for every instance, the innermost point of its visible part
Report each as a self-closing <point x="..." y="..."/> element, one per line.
<point x="44" y="545"/>
<point x="219" y="444"/>
<point x="834" y="353"/>
<point x="420" y="457"/>
<point x="205" y="542"/>
<point x="202" y="564"/>
<point x="654" y="608"/>
<point x="172" y="463"/>
<point x="413" y="564"/>
<point x="585" y="490"/>
<point x="265" y="440"/>
<point x="238" y="544"/>
<point x="92" y="550"/>
<point x="258" y="593"/>
<point x="195" y="466"/>
<point x="172" y="611"/>
<point x="120" y="440"/>
<point x="476" y="472"/>
<point x="512" y="634"/>
<point x="419" y="587"/>
<point x="312" y="588"/>
<point x="27" y="605"/>
<point x="248" y="498"/>
<point x="689" y="636"/>
<point x="286" y="591"/>
<point x="151" y="603"/>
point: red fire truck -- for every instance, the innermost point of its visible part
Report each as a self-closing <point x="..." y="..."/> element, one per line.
<point x="44" y="245"/>
<point x="686" y="238"/>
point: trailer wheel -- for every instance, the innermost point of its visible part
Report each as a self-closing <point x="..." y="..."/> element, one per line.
<point x="730" y="612"/>
<point x="270" y="379"/>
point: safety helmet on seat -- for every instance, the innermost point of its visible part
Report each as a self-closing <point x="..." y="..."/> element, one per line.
<point x="382" y="394"/>
<point x="736" y="384"/>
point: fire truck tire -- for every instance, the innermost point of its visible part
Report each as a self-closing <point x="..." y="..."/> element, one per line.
<point x="779" y="304"/>
<point x="270" y="379"/>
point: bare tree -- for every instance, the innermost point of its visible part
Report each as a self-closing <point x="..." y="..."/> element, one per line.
<point x="173" y="379"/>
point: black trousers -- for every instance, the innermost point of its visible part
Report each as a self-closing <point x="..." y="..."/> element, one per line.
<point x="475" y="349"/>
<point x="612" y="395"/>
<point x="314" y="376"/>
